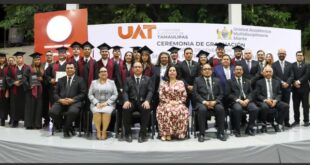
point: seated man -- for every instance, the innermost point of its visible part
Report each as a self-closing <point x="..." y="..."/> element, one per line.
<point x="240" y="97"/>
<point x="69" y="93"/>
<point x="138" y="93"/>
<point x="208" y="96"/>
<point x="268" y="98"/>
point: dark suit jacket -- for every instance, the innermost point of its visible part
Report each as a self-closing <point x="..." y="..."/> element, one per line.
<point x="253" y="71"/>
<point x="288" y="75"/>
<point x="77" y="89"/>
<point x="131" y="91"/>
<point x="261" y="90"/>
<point x="233" y="90"/>
<point x="187" y="76"/>
<point x="200" y="92"/>
<point x="301" y="74"/>
<point x="220" y="74"/>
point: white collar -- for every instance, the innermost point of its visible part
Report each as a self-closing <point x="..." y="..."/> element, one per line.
<point x="62" y="62"/>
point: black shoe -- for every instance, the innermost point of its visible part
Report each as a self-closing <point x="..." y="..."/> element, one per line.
<point x="221" y="136"/>
<point x="142" y="139"/>
<point x="14" y="124"/>
<point x="2" y="122"/>
<point x="263" y="129"/>
<point x="10" y="121"/>
<point x="201" y="138"/>
<point x="249" y="131"/>
<point x="237" y="133"/>
<point x="29" y="127"/>
<point x="46" y="124"/>
<point x="306" y="124"/>
<point x="295" y="124"/>
<point x="129" y="138"/>
<point x="276" y="128"/>
<point x="72" y="131"/>
<point x="66" y="134"/>
<point x="287" y="124"/>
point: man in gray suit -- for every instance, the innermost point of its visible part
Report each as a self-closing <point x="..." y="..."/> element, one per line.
<point x="69" y="93"/>
<point x="138" y="93"/>
<point x="208" y="95"/>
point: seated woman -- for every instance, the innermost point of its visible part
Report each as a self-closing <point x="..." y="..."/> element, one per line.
<point x="102" y="95"/>
<point x="172" y="114"/>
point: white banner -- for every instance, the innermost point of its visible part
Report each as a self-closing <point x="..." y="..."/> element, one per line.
<point x="199" y="36"/>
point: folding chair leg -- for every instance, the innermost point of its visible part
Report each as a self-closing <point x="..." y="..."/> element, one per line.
<point x="80" y="127"/>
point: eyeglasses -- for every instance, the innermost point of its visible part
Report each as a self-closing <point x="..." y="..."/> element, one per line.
<point x="102" y="71"/>
<point x="206" y="69"/>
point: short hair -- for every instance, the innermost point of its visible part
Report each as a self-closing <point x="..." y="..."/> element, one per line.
<point x="226" y="55"/>
<point x="299" y="52"/>
<point x="71" y="63"/>
<point x="260" y="51"/>
<point x="188" y="48"/>
<point x="239" y="65"/>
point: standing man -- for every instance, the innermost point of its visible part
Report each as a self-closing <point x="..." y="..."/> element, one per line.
<point x="117" y="54"/>
<point x="47" y="93"/>
<point x="174" y="55"/>
<point x="16" y="81"/>
<point x="268" y="97"/>
<point x="4" y="90"/>
<point x="138" y="93"/>
<point x="238" y="54"/>
<point x="76" y="51"/>
<point x="284" y="72"/>
<point x="188" y="70"/>
<point x="208" y="95"/>
<point x="301" y="88"/>
<point x="220" y="51"/>
<point x="69" y="93"/>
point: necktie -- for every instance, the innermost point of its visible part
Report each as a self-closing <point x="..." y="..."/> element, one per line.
<point x="249" y="65"/>
<point x="241" y="89"/>
<point x="138" y="82"/>
<point x="189" y="67"/>
<point x="210" y="96"/>
<point x="282" y="66"/>
<point x="68" y="87"/>
<point x="270" y="89"/>
<point x="261" y="65"/>
<point x="86" y="60"/>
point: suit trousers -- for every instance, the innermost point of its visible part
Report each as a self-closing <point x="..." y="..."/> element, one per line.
<point x="144" y="118"/>
<point x="281" y="109"/>
<point x="71" y="112"/>
<point x="237" y="111"/>
<point x="203" y="113"/>
<point x="304" y="99"/>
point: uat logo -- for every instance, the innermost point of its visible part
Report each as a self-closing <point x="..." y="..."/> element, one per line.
<point x="144" y="32"/>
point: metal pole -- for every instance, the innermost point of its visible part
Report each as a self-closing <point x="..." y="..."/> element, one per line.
<point x="235" y="14"/>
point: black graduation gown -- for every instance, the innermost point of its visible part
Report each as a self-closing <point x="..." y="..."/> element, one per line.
<point x="4" y="102"/>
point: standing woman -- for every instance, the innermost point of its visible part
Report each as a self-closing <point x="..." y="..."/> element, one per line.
<point x="4" y="93"/>
<point x="126" y="68"/>
<point x="146" y="61"/>
<point x="172" y="113"/>
<point x="269" y="59"/>
<point x="102" y="95"/>
<point x="202" y="58"/>
<point x="33" y="83"/>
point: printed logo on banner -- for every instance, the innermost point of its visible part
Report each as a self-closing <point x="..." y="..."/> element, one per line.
<point x="224" y="33"/>
<point x="146" y="32"/>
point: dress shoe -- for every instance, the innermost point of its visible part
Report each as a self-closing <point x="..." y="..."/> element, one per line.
<point x="142" y="139"/>
<point x="287" y="124"/>
<point x="2" y="122"/>
<point x="72" y="131"/>
<point x="221" y="136"/>
<point x="104" y="135"/>
<point x="237" y="133"/>
<point x="129" y="138"/>
<point x="306" y="124"/>
<point x="276" y="128"/>
<point x="295" y="124"/>
<point x="263" y="129"/>
<point x="168" y="137"/>
<point x="15" y="124"/>
<point x="163" y="138"/>
<point x="249" y="131"/>
<point x="66" y="134"/>
<point x="45" y="124"/>
<point x="201" y="138"/>
<point x="29" y="127"/>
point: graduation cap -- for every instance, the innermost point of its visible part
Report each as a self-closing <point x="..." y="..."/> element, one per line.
<point x="35" y="55"/>
<point x="104" y="46"/>
<point x="116" y="47"/>
<point x="19" y="53"/>
<point x="136" y="48"/>
<point x="220" y="45"/>
<point x="62" y="50"/>
<point x="76" y="45"/>
<point x="87" y="44"/>
<point x="201" y="52"/>
<point x="238" y="47"/>
<point x="2" y="54"/>
<point x="173" y="49"/>
<point x="146" y="50"/>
